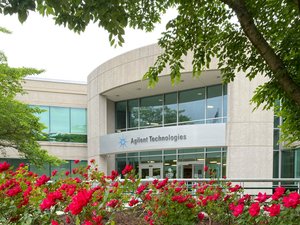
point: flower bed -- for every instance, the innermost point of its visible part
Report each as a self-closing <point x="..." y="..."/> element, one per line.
<point x="92" y="198"/>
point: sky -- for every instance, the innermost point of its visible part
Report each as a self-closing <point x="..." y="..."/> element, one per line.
<point x="63" y="54"/>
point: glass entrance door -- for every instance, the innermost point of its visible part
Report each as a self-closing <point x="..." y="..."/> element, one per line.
<point x="153" y="170"/>
<point x="191" y="170"/>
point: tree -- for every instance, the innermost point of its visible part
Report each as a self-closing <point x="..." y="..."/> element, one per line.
<point x="20" y="129"/>
<point x="261" y="38"/>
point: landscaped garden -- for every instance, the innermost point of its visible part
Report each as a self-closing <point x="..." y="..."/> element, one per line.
<point x="89" y="197"/>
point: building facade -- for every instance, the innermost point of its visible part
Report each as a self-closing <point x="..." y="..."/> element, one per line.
<point x="176" y="129"/>
<point x="168" y="131"/>
<point x="65" y="118"/>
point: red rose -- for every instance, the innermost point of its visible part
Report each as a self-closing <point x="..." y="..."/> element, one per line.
<point x="4" y="166"/>
<point x="54" y="222"/>
<point x="141" y="188"/>
<point x="54" y="172"/>
<point x="262" y="197"/>
<point x="112" y="203"/>
<point x="127" y="169"/>
<point x="274" y="210"/>
<point x="238" y="210"/>
<point x="79" y="201"/>
<point x="279" y="191"/>
<point x="76" y="161"/>
<point x="42" y="180"/>
<point x="133" y="202"/>
<point x="254" y="209"/>
<point x="200" y="216"/>
<point x="205" y="168"/>
<point x="292" y="200"/>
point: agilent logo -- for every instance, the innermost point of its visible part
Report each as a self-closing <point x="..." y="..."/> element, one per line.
<point x="122" y="142"/>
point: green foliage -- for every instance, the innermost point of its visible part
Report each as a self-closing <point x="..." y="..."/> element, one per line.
<point x="260" y="38"/>
<point x="19" y="128"/>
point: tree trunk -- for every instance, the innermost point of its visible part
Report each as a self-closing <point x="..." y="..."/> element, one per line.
<point x="274" y="62"/>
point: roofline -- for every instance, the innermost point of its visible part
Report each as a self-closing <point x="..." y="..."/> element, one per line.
<point x="55" y="80"/>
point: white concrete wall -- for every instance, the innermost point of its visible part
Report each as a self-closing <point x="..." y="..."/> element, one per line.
<point x="249" y="133"/>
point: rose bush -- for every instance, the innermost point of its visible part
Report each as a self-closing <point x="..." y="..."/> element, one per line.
<point x="91" y="198"/>
<point x="86" y="198"/>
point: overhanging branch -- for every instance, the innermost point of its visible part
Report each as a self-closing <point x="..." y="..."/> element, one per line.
<point x="265" y="50"/>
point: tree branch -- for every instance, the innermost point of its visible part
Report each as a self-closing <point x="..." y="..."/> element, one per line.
<point x="265" y="50"/>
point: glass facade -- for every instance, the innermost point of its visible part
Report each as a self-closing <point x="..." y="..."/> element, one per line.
<point x="177" y="163"/>
<point x="286" y="162"/>
<point x="195" y="106"/>
<point x="64" y="124"/>
<point x="47" y="168"/>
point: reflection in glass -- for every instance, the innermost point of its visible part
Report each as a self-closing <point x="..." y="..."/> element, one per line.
<point x="156" y="173"/>
<point x="145" y="173"/>
<point x="133" y="113"/>
<point x="224" y="103"/>
<point x="151" y="159"/>
<point x="275" y="164"/>
<point x="170" y="108"/>
<point x="64" y="124"/>
<point x="192" y="105"/>
<point x="287" y="164"/>
<point x="198" y="170"/>
<point x="121" y="115"/>
<point x="214" y="103"/>
<point x="78" y="121"/>
<point x="191" y="157"/>
<point x="196" y="106"/>
<point x="60" y="120"/>
<point x="151" y="111"/>
<point x="213" y="161"/>
<point x="170" y="163"/>
<point x="224" y="163"/>
<point x="276" y="139"/>
<point x="44" y="117"/>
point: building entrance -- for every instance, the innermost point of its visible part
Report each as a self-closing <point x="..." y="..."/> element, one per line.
<point x="153" y="170"/>
<point x="191" y="170"/>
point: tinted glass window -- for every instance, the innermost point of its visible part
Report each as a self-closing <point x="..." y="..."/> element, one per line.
<point x="133" y="113"/>
<point x="59" y="120"/>
<point x="44" y="117"/>
<point x="121" y="115"/>
<point x="192" y="105"/>
<point x="170" y="108"/>
<point x="78" y="121"/>
<point x="214" y="102"/>
<point x="151" y="111"/>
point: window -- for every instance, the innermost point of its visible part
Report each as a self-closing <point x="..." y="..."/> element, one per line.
<point x="60" y="120"/>
<point x="151" y="111"/>
<point x="192" y="106"/>
<point x="78" y="121"/>
<point x="121" y="115"/>
<point x="44" y="117"/>
<point x="170" y="109"/>
<point x="200" y="105"/>
<point x="214" y="104"/>
<point x="64" y="124"/>
<point x="133" y="113"/>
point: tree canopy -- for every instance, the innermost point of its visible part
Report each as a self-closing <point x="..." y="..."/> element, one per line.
<point x="20" y="129"/>
<point x="261" y="38"/>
